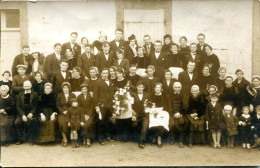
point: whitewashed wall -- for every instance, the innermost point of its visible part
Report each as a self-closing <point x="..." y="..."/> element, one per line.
<point x="52" y="22"/>
<point x="227" y="25"/>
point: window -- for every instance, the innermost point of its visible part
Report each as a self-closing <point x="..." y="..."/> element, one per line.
<point x="10" y="19"/>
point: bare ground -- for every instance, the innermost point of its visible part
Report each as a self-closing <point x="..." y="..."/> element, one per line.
<point x="125" y="154"/>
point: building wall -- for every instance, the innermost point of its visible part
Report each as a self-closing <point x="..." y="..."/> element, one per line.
<point x="256" y="38"/>
<point x="227" y="25"/>
<point x="52" y="22"/>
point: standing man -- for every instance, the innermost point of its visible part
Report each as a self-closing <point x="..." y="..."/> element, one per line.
<point x="25" y="122"/>
<point x="72" y="45"/>
<point x="52" y="64"/>
<point x="201" y="45"/>
<point x="86" y="60"/>
<point x="103" y="96"/>
<point x="23" y="59"/>
<point x="159" y="60"/>
<point x="104" y="59"/>
<point x="193" y="56"/>
<point x="118" y="42"/>
<point x="148" y="45"/>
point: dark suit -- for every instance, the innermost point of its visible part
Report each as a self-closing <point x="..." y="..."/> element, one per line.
<point x="150" y="50"/>
<point x="123" y="64"/>
<point x="187" y="82"/>
<point x="76" y="50"/>
<point x="113" y="45"/>
<point x="201" y="52"/>
<point x="160" y="64"/>
<point x="85" y="63"/>
<point x="168" y="89"/>
<point x="52" y="65"/>
<point x="198" y="62"/>
<point x="102" y="62"/>
<point x="19" y="60"/>
<point x="23" y="108"/>
<point x="149" y="84"/>
<point x="129" y="54"/>
<point x="17" y="84"/>
<point x="103" y="96"/>
<point x="142" y="119"/>
<point x="58" y="79"/>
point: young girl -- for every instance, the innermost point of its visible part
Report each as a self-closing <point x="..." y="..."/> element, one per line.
<point x="77" y="79"/>
<point x="38" y="83"/>
<point x="231" y="123"/>
<point x="215" y="119"/>
<point x="92" y="81"/>
<point x="221" y="79"/>
<point x="245" y="126"/>
<point x="74" y="121"/>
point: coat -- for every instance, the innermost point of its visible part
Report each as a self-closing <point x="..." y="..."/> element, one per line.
<point x="87" y="104"/>
<point x="142" y="62"/>
<point x="85" y="63"/>
<point x="20" y="106"/>
<point x="61" y="103"/>
<point x="149" y="51"/>
<point x="17" y="84"/>
<point x="168" y="89"/>
<point x="160" y="64"/>
<point x="175" y="60"/>
<point x="214" y="116"/>
<point x="76" y="50"/>
<point x="214" y="62"/>
<point x="138" y="105"/>
<point x="231" y="124"/>
<point x="123" y="64"/>
<point x="19" y="60"/>
<point x="74" y="117"/>
<point x="243" y="96"/>
<point x="101" y="61"/>
<point x="113" y="45"/>
<point x="149" y="84"/>
<point x="52" y="65"/>
<point x="186" y="82"/>
<point x="58" y="79"/>
<point x="201" y="52"/>
<point x="129" y="54"/>
<point x="198" y="62"/>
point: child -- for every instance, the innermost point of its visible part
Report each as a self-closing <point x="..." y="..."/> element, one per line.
<point x="221" y="79"/>
<point x="215" y="119"/>
<point x="256" y="126"/>
<point x="231" y="122"/>
<point x="74" y="121"/>
<point x="245" y="126"/>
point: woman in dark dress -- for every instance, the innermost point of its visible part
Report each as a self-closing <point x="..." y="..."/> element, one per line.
<point x="196" y="115"/>
<point x="88" y="116"/>
<point x="112" y="74"/>
<point x="92" y="81"/>
<point x="62" y="104"/>
<point x="141" y="61"/>
<point x="120" y="82"/>
<point x="254" y="91"/>
<point x="7" y="115"/>
<point x="220" y="80"/>
<point x="212" y="60"/>
<point x="6" y="81"/>
<point x="76" y="80"/>
<point x="72" y="62"/>
<point x="183" y="49"/>
<point x="47" y="115"/>
<point x="206" y="79"/>
<point x="131" y="49"/>
<point x="175" y="58"/>
<point x="160" y="100"/>
<point x="38" y="83"/>
<point x="167" y="46"/>
<point x="241" y="83"/>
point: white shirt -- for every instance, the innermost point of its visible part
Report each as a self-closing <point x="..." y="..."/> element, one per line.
<point x="117" y="43"/>
<point x="201" y="46"/>
<point x="57" y="56"/>
<point x="134" y="50"/>
<point x="63" y="74"/>
<point x="190" y="75"/>
<point x="258" y="116"/>
<point x="106" y="55"/>
<point x="157" y="54"/>
<point x="35" y="65"/>
<point x="72" y="47"/>
<point x="88" y="55"/>
<point x="107" y="82"/>
<point x="193" y="56"/>
<point x="213" y="104"/>
<point x="168" y="82"/>
<point x="26" y="92"/>
<point x="119" y="61"/>
<point x="140" y="96"/>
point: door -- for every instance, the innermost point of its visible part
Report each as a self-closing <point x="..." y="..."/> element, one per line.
<point x="142" y="22"/>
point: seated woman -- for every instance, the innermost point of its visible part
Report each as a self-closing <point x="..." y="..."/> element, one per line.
<point x="121" y="62"/>
<point x="206" y="79"/>
<point x="76" y="80"/>
<point x="6" y="81"/>
<point x="196" y="115"/>
<point x="160" y="101"/>
<point x="88" y="116"/>
<point x="47" y="115"/>
<point x="38" y="83"/>
<point x="7" y="115"/>
<point x="62" y="104"/>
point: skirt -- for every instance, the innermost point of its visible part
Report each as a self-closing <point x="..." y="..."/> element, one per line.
<point x="158" y="131"/>
<point x="46" y="132"/>
<point x="63" y="123"/>
<point x="6" y="123"/>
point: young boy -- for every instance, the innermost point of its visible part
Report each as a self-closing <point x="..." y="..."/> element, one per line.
<point x="256" y="127"/>
<point x="244" y="121"/>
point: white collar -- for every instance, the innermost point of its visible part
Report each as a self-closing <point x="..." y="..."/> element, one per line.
<point x="27" y="91"/>
<point x="246" y="115"/>
<point x="258" y="116"/>
<point x="150" y="77"/>
<point x="5" y="97"/>
<point x="213" y="104"/>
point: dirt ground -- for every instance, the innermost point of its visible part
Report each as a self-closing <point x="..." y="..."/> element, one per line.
<point x="125" y="154"/>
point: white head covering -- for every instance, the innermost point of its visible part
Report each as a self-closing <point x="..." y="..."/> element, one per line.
<point x="228" y="107"/>
<point x="4" y="86"/>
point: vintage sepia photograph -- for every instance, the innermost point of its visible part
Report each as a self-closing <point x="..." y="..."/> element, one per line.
<point x="97" y="83"/>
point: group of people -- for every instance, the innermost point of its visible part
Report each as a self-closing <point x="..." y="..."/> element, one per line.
<point x="121" y="91"/>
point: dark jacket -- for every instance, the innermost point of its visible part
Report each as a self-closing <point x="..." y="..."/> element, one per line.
<point x="138" y="105"/>
<point x="101" y="61"/>
<point x="52" y="65"/>
<point x="76" y="50"/>
<point x="123" y="64"/>
<point x="214" y="115"/>
<point x="58" y="79"/>
<point x="85" y="63"/>
<point x="160" y="64"/>
<point x="198" y="62"/>
<point x="61" y="103"/>
<point x="186" y="82"/>
<point x="231" y="124"/>
<point x="17" y="84"/>
<point x="87" y="105"/>
<point x="20" y="105"/>
<point x="18" y="60"/>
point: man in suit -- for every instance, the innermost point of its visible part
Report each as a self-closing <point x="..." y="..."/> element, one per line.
<point x="18" y="80"/>
<point x="52" y="64"/>
<point x="201" y="45"/>
<point x="27" y="102"/>
<point x="72" y="45"/>
<point x="23" y="59"/>
<point x="193" y="56"/>
<point x="188" y="78"/>
<point x="104" y="59"/>
<point x="140" y="119"/>
<point x="63" y="75"/>
<point x="86" y="60"/>
<point x="118" y="42"/>
<point x="159" y="60"/>
<point x="148" y="45"/>
<point x="103" y="96"/>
